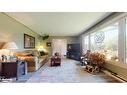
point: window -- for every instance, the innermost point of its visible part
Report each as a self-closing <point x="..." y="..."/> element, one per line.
<point x="106" y="41"/>
<point x="126" y="42"/>
<point x="111" y="40"/>
<point x="85" y="44"/>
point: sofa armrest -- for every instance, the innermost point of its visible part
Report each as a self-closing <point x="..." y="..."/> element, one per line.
<point x="31" y="61"/>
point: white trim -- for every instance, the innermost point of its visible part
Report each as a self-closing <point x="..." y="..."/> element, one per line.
<point x="122" y="40"/>
<point x="89" y="42"/>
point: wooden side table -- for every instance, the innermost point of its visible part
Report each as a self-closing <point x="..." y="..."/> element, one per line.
<point x="92" y="69"/>
<point x="13" y="69"/>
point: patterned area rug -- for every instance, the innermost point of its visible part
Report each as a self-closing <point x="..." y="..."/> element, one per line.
<point x="70" y="71"/>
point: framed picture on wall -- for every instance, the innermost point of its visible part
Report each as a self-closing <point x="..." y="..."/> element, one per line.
<point x="48" y="44"/>
<point x="29" y="41"/>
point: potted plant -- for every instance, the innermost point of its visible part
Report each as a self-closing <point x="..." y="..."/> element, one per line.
<point x="45" y="37"/>
<point x="97" y="59"/>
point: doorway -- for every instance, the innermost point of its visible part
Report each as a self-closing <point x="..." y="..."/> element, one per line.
<point x="60" y="46"/>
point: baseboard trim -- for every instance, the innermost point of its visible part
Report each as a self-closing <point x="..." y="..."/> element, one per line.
<point x="114" y="76"/>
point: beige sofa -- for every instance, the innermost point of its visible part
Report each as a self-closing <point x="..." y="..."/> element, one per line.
<point x="33" y="58"/>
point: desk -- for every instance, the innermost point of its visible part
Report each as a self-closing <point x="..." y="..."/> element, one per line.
<point x="13" y="69"/>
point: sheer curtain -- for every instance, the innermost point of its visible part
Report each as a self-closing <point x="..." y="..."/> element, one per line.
<point x="59" y="45"/>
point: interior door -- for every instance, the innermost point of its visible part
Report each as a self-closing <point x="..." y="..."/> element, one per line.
<point x="60" y="46"/>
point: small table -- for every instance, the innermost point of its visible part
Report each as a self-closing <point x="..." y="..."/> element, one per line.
<point x="10" y="69"/>
<point x="92" y="69"/>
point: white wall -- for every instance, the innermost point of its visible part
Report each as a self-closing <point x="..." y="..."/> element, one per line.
<point x="70" y="40"/>
<point x="11" y="30"/>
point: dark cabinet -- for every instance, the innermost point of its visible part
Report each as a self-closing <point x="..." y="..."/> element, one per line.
<point x="13" y="69"/>
<point x="73" y="51"/>
<point x="0" y="69"/>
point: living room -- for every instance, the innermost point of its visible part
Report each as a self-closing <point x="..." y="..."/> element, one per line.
<point x="22" y="37"/>
<point x="55" y="47"/>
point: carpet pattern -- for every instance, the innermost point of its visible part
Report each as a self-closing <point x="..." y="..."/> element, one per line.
<point x="70" y="71"/>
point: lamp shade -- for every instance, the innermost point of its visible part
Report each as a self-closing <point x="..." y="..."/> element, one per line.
<point x="10" y="45"/>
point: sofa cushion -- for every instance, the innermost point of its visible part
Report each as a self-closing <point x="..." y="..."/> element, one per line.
<point x="19" y="54"/>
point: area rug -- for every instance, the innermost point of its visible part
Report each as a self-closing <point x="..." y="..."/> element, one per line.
<point x="70" y="71"/>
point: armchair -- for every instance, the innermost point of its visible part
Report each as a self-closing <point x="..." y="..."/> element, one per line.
<point x="56" y="60"/>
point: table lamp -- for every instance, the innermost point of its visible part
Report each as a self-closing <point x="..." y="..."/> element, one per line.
<point x="10" y="46"/>
<point x="42" y="50"/>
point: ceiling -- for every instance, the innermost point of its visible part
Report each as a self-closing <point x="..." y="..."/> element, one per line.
<point x="58" y="23"/>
